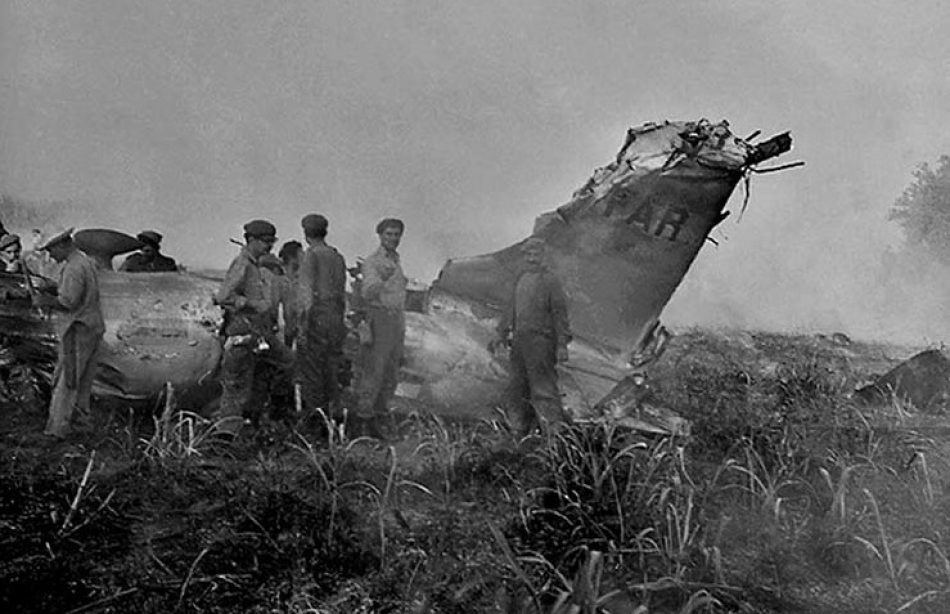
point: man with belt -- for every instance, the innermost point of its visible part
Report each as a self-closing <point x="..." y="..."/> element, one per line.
<point x="149" y="259"/>
<point x="80" y="328"/>
<point x="383" y="296"/>
<point x="321" y="283"/>
<point x="537" y="326"/>
<point x="246" y="331"/>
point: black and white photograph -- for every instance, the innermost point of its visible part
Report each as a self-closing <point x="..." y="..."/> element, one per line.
<point x="446" y="307"/>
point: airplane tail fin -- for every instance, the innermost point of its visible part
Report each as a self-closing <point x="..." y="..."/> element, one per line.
<point x="623" y="243"/>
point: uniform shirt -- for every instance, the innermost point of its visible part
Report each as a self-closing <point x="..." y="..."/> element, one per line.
<point x="376" y="289"/>
<point x="243" y="296"/>
<point x="322" y="279"/>
<point x="538" y="305"/>
<point x="137" y="263"/>
<point x="291" y="305"/>
<point x="279" y="291"/>
<point x="79" y="294"/>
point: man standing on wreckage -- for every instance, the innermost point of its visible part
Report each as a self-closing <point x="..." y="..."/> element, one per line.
<point x="620" y="247"/>
<point x="535" y="327"/>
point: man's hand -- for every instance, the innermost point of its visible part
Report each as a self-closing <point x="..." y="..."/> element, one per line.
<point x="562" y="355"/>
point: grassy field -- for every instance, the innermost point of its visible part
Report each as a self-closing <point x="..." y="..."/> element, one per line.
<point x="786" y="497"/>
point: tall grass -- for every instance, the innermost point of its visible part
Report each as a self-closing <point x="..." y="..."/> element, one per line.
<point x="178" y="435"/>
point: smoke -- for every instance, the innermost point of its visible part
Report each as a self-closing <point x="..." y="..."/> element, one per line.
<point x="470" y="119"/>
<point x="850" y="272"/>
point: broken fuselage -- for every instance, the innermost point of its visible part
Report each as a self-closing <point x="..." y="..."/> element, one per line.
<point x="620" y="247"/>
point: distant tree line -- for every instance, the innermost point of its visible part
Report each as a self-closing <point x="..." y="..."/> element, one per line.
<point x="923" y="211"/>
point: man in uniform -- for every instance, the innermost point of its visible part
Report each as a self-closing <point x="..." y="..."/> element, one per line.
<point x="537" y="326"/>
<point x="321" y="286"/>
<point x="10" y="249"/>
<point x="247" y="335"/>
<point x="272" y="391"/>
<point x="80" y="328"/>
<point x="383" y="296"/>
<point x="149" y="259"/>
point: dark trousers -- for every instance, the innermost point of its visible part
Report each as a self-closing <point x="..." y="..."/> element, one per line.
<point x="272" y="390"/>
<point x="381" y="360"/>
<point x="243" y="368"/>
<point x="320" y="359"/>
<point x="532" y="395"/>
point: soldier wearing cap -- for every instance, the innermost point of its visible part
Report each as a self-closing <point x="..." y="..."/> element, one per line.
<point x="10" y="249"/>
<point x="80" y="328"/>
<point x="536" y="325"/>
<point x="149" y="259"/>
<point x="321" y="286"/>
<point x="246" y="329"/>
<point x="11" y="262"/>
<point x="383" y="296"/>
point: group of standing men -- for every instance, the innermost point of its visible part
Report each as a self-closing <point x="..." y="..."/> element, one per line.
<point x="311" y="286"/>
<point x="308" y="283"/>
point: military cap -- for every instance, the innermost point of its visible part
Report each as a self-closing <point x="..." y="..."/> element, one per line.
<point x="151" y="237"/>
<point x="389" y="222"/>
<point x="8" y="240"/>
<point x="260" y="229"/>
<point x="314" y="222"/>
<point x="66" y="235"/>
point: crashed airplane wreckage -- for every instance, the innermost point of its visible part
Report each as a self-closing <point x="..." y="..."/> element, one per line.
<point x="621" y="246"/>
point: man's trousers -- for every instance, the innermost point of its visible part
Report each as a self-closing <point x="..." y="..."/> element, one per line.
<point x="73" y="377"/>
<point x="532" y="395"/>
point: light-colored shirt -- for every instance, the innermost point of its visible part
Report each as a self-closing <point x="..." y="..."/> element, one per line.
<point x="78" y="294"/>
<point x="384" y="284"/>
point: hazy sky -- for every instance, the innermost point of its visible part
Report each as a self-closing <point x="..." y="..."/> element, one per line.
<point x="468" y="119"/>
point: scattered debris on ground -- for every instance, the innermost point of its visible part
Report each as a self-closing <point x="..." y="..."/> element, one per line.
<point x="922" y="380"/>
